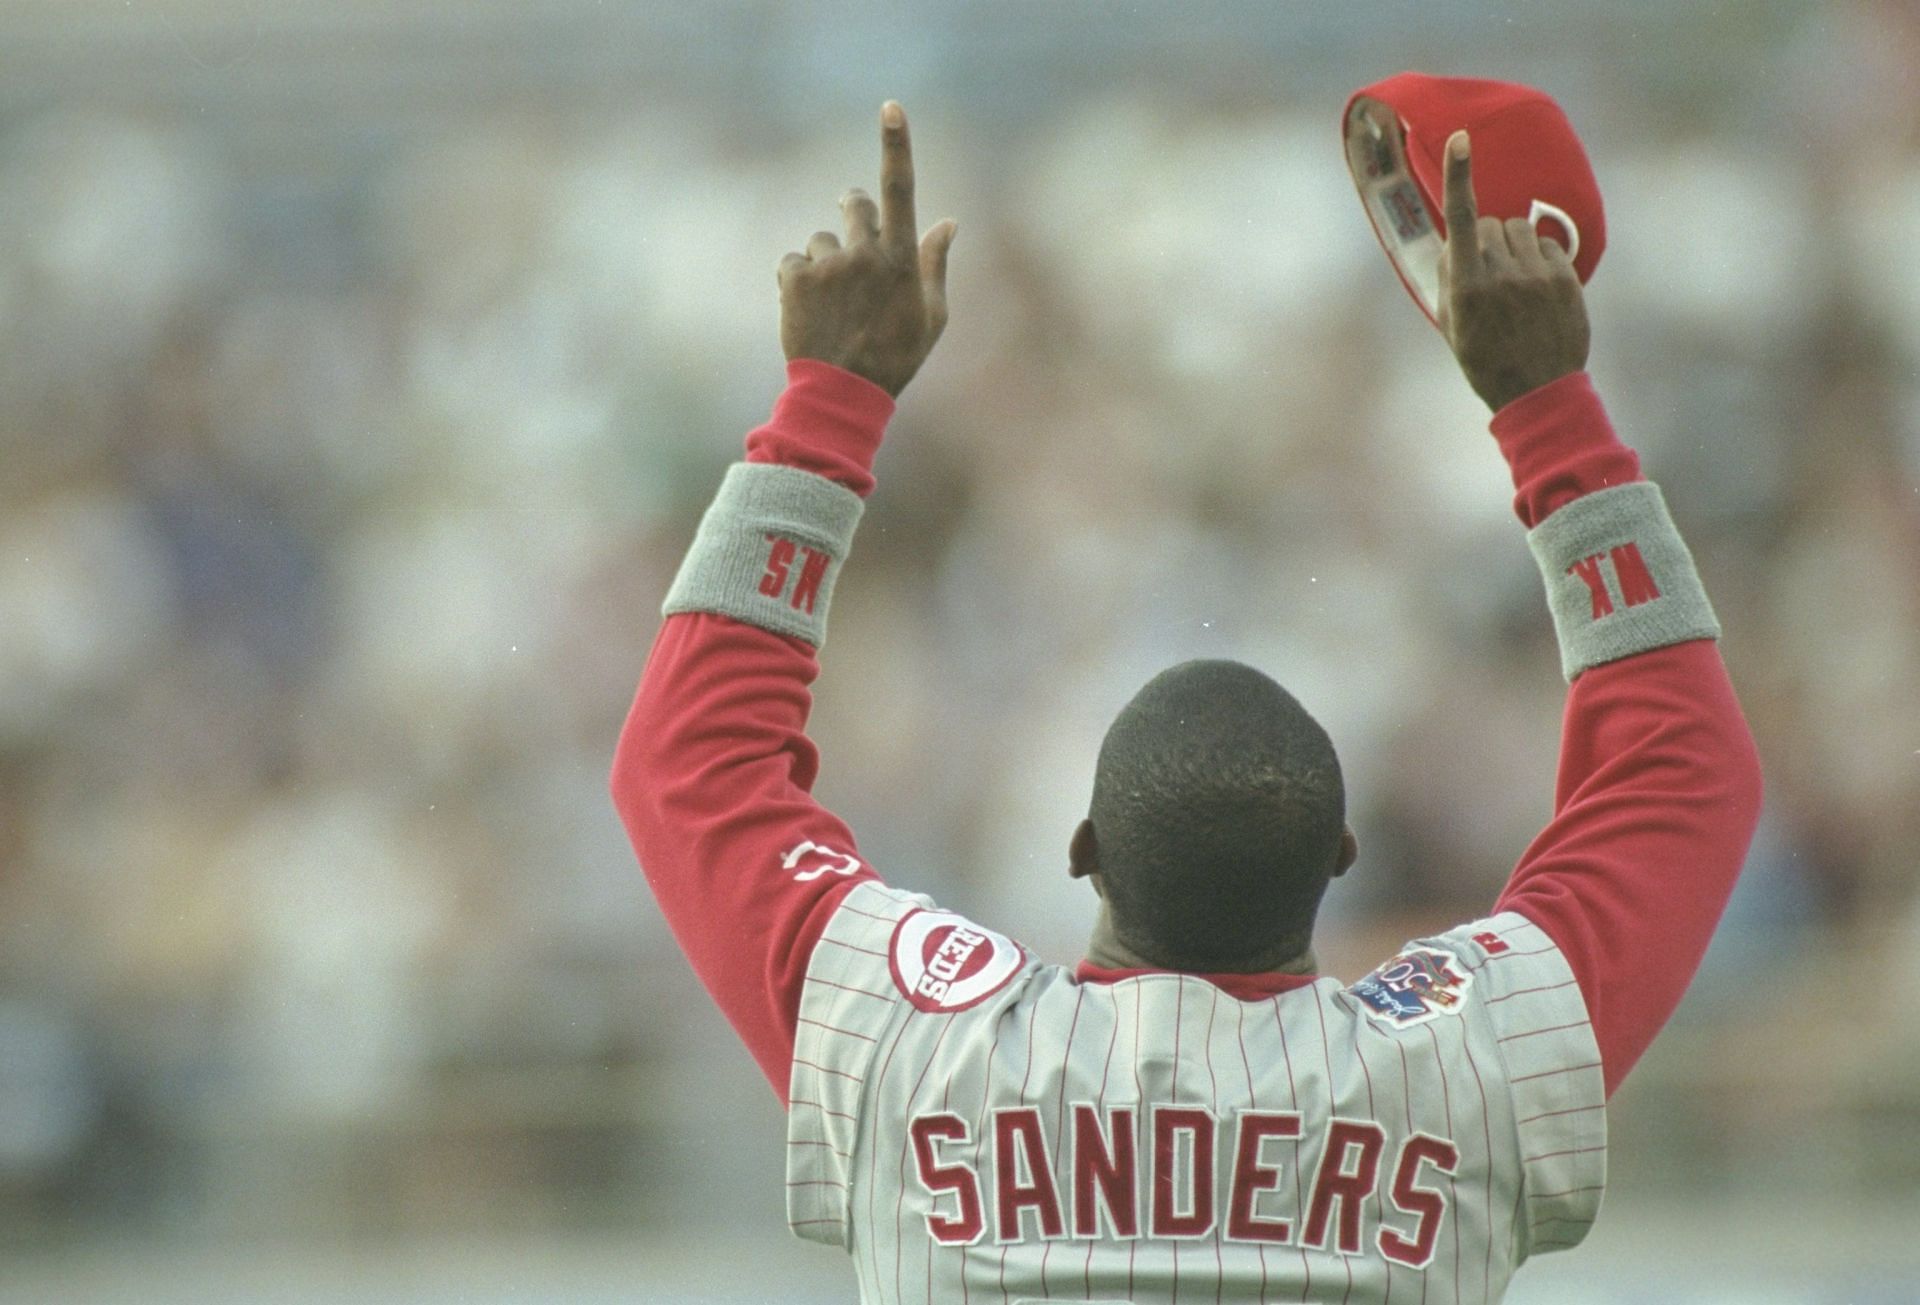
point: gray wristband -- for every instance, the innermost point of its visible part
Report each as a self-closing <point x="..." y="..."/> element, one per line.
<point x="768" y="550"/>
<point x="1619" y="578"/>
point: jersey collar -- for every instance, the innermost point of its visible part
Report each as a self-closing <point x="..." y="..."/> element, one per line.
<point x="1244" y="987"/>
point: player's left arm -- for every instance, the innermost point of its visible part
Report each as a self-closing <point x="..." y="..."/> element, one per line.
<point x="714" y="772"/>
<point x="1658" y="789"/>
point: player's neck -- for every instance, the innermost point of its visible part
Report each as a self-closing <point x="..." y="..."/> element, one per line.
<point x="1106" y="951"/>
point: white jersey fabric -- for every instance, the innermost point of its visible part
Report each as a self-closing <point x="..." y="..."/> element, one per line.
<point x="973" y="1125"/>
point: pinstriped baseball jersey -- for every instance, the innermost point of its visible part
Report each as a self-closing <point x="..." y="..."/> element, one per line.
<point x="971" y="1124"/>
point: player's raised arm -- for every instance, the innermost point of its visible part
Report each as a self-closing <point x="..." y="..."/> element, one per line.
<point x="1659" y="787"/>
<point x="714" y="771"/>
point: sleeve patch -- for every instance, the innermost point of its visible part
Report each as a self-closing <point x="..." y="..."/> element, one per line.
<point x="944" y="962"/>
<point x="1492" y="942"/>
<point x="1419" y="984"/>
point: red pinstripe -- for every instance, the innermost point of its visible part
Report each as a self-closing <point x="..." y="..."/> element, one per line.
<point x="1507" y="956"/>
<point x="1253" y="1101"/>
<point x="1486" y="1126"/>
<point x="1549" y="1073"/>
<point x="837" y="1073"/>
<point x="1113" y="1040"/>
<point x="864" y="951"/>
<point x="1293" y="1103"/>
<point x="1060" y="1113"/>
<point x="979" y="1134"/>
<point x="1572" y="1150"/>
<point x="1522" y="992"/>
<point x="1361" y="1057"/>
<point x="1533" y="1033"/>
<point x="837" y="1114"/>
<point x="1333" y="1105"/>
<point x="1100" y="1107"/>
<point x="864" y="992"/>
<point x="1219" y="1261"/>
<point x="831" y="1029"/>
<point x="1026" y="1077"/>
<point x="1139" y="991"/>
<point x="830" y="1146"/>
<point x="1406" y="1102"/>
<point x="873" y="1153"/>
<point x="1179" y="1003"/>
<point x="1571" y="1191"/>
<point x="1453" y="1188"/>
<point x="1519" y="1197"/>
<point x="1406" y="1083"/>
<point x="1179" y="994"/>
<point x="946" y="1093"/>
<point x="1379" y="1200"/>
<point x="1570" y="1110"/>
<point x="907" y="1142"/>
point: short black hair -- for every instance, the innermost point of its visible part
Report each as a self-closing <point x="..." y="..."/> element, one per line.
<point x="1217" y="814"/>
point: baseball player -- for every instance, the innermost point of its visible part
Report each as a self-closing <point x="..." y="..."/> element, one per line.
<point x="1192" y="1113"/>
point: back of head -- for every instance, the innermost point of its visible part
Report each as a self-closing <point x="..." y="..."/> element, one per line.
<point x="1217" y="810"/>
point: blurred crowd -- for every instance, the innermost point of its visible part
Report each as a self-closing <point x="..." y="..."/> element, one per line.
<point x="337" y="500"/>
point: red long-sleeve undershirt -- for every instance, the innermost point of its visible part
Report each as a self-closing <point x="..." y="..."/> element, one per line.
<point x="1656" y="798"/>
<point x="1658" y="789"/>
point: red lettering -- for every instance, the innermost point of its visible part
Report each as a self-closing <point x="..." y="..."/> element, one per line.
<point x="1347" y="1187"/>
<point x="1409" y="1197"/>
<point x="1168" y="1123"/>
<point x="965" y="1227"/>
<point x="1493" y="942"/>
<point x="1636" y="582"/>
<point x="1589" y="572"/>
<point x="1106" y="1161"/>
<point x="779" y="558"/>
<point x="1250" y="1178"/>
<point x="1017" y="1143"/>
<point x="812" y="572"/>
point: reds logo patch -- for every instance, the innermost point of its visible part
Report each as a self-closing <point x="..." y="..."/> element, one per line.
<point x="1419" y="984"/>
<point x="942" y="962"/>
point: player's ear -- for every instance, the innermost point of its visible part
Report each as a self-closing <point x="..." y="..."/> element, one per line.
<point x="1083" y="853"/>
<point x="1349" y="852"/>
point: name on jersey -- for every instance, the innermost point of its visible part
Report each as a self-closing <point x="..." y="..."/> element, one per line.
<point x="1419" y="984"/>
<point x="1261" y="1177"/>
<point x="944" y="962"/>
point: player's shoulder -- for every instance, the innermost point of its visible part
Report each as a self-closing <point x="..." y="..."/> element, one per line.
<point x="1467" y="968"/>
<point x="935" y="960"/>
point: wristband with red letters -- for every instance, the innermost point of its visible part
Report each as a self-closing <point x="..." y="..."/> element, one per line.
<point x="768" y="550"/>
<point x="1619" y="578"/>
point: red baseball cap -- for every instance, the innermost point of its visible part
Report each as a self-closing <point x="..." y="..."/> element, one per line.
<point x="1527" y="163"/>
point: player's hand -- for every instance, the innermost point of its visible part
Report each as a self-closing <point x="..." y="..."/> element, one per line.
<point x="876" y="304"/>
<point x="1510" y="301"/>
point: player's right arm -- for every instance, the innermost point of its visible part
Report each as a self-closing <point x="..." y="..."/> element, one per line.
<point x="1658" y="790"/>
<point x="714" y="772"/>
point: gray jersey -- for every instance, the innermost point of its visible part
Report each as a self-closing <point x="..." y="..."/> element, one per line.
<point x="971" y="1124"/>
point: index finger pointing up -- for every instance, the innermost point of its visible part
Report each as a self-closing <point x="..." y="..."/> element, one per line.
<point x="897" y="225"/>
<point x="1462" y="210"/>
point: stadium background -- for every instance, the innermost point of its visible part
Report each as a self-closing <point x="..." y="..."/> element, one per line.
<point x="364" y="367"/>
